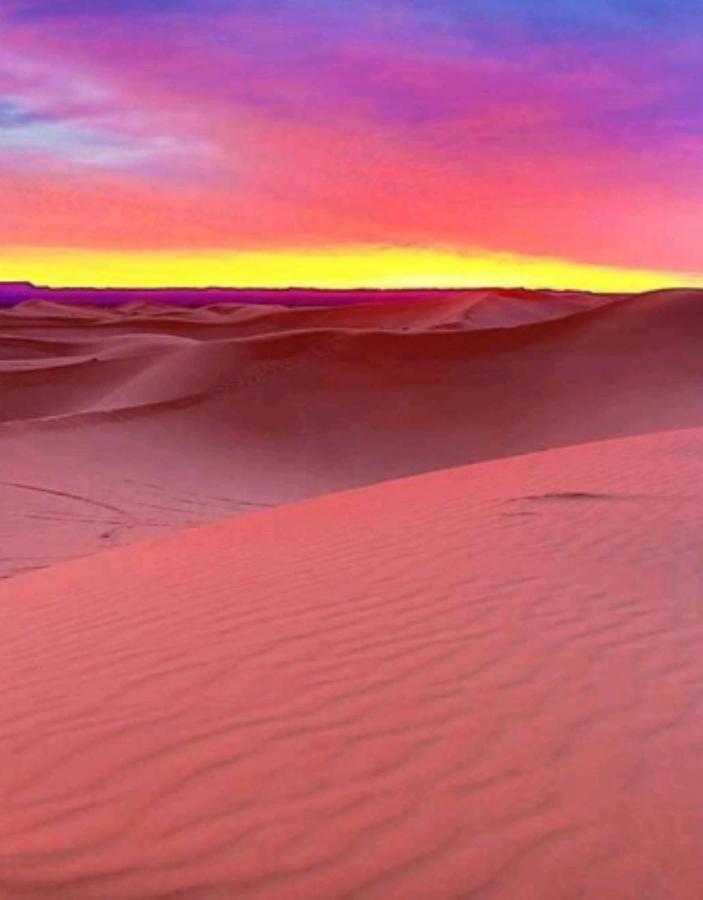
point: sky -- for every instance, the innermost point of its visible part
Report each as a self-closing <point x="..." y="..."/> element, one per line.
<point x="352" y="143"/>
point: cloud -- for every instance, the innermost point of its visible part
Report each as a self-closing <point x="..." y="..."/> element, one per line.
<point x="232" y="122"/>
<point x="51" y="109"/>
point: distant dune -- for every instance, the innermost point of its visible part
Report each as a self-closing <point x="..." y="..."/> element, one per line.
<point x="15" y="293"/>
<point x="483" y="682"/>
<point x="118" y="424"/>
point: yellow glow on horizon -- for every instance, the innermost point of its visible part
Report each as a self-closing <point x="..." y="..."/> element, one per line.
<point x="342" y="267"/>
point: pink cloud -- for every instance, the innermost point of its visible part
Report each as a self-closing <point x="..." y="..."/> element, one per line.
<point x="377" y="143"/>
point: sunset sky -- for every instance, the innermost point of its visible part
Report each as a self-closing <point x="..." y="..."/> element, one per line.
<point x="352" y="142"/>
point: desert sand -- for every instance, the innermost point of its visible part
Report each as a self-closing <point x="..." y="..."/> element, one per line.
<point x="443" y="641"/>
<point x="120" y="422"/>
<point x="483" y="682"/>
<point x="116" y="425"/>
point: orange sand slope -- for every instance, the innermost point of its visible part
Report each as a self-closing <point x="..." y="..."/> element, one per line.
<point x="484" y="682"/>
<point x="118" y="425"/>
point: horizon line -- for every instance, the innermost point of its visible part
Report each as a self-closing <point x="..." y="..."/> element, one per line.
<point x="322" y="289"/>
<point x="317" y="289"/>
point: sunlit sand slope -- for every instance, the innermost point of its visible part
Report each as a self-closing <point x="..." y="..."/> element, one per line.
<point x="484" y="682"/>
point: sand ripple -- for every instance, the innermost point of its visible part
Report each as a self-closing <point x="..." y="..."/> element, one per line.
<point x="485" y="682"/>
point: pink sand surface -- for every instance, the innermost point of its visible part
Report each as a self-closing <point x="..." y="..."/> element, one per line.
<point x="482" y="682"/>
<point x="358" y="681"/>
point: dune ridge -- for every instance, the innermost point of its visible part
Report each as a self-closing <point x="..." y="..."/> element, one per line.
<point x="500" y="698"/>
<point x="119" y="424"/>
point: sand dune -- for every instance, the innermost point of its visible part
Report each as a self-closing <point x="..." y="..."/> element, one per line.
<point x="121" y="423"/>
<point x="109" y="359"/>
<point x="483" y="682"/>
